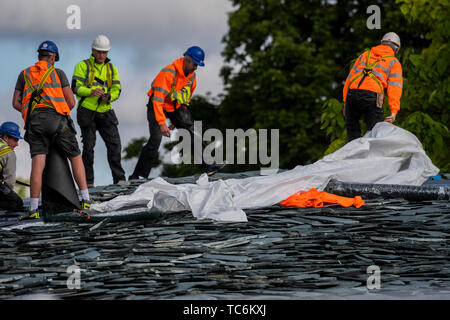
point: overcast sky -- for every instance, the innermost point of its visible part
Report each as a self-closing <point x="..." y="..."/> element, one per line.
<point x="145" y="36"/>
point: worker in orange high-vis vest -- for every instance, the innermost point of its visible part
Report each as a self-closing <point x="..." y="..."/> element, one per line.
<point x="45" y="99"/>
<point x="169" y="97"/>
<point x="375" y="73"/>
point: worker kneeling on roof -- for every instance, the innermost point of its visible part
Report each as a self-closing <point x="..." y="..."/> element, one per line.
<point x="9" y="139"/>
<point x="376" y="70"/>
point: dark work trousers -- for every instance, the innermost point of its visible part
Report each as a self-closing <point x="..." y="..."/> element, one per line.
<point x="9" y="199"/>
<point x="106" y="124"/>
<point x="181" y="118"/>
<point x="361" y="103"/>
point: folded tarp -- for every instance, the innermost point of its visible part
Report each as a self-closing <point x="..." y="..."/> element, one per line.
<point x="386" y="155"/>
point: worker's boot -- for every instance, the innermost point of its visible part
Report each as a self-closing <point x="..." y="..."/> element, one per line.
<point x="31" y="214"/>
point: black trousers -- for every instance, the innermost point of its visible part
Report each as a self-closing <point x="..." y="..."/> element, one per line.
<point x="361" y="103"/>
<point x="9" y="199"/>
<point x="181" y="118"/>
<point x="106" y="124"/>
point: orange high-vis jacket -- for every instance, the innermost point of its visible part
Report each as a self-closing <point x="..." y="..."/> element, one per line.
<point x="52" y="92"/>
<point x="388" y="71"/>
<point x="169" y="78"/>
<point x="316" y="199"/>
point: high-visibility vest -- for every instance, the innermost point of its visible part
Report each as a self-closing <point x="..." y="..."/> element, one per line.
<point x="168" y="98"/>
<point x="43" y="78"/>
<point x="4" y="149"/>
<point x="88" y="75"/>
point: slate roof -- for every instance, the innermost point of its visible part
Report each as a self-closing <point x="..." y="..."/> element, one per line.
<point x="286" y="253"/>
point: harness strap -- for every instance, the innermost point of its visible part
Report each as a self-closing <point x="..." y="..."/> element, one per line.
<point x="38" y="99"/>
<point x="91" y="73"/>
<point x="368" y="71"/>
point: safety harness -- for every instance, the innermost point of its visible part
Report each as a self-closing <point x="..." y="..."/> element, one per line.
<point x="368" y="70"/>
<point x="181" y="97"/>
<point x="91" y="74"/>
<point x="36" y="92"/>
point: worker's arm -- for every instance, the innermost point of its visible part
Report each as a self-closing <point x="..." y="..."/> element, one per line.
<point x="78" y="80"/>
<point x="350" y="76"/>
<point x="116" y="87"/>
<point x="161" y="89"/>
<point x="8" y="162"/>
<point x="17" y="100"/>
<point x="67" y="91"/>
<point x="394" y="89"/>
<point x="68" y="95"/>
<point x="17" y="96"/>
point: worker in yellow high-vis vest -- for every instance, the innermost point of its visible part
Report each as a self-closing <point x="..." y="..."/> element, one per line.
<point x="96" y="83"/>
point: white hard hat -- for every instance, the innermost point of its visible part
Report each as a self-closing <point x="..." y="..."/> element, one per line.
<point x="391" y="37"/>
<point x="101" y="43"/>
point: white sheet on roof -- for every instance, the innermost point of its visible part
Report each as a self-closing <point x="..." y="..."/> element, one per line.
<point x="386" y="155"/>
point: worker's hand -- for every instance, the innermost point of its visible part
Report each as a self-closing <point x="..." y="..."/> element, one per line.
<point x="164" y="130"/>
<point x="391" y="118"/>
<point x="105" y="97"/>
<point x="171" y="127"/>
<point x="343" y="110"/>
<point x="97" y="92"/>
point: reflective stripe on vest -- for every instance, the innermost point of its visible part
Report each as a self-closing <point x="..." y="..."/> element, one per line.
<point x="4" y="149"/>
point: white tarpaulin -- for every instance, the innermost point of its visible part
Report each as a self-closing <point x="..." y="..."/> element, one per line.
<point x="386" y="155"/>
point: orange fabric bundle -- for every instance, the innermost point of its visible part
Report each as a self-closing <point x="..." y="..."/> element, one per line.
<point x="316" y="199"/>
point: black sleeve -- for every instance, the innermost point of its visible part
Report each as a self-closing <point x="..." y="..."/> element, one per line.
<point x="62" y="76"/>
<point x="20" y="84"/>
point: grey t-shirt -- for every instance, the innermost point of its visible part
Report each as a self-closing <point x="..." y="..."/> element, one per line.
<point x="20" y="84"/>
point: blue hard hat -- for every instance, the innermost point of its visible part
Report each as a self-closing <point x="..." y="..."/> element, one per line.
<point x="197" y="54"/>
<point x="49" y="46"/>
<point x="11" y="129"/>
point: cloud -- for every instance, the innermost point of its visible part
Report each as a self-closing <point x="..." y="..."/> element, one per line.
<point x="166" y="24"/>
